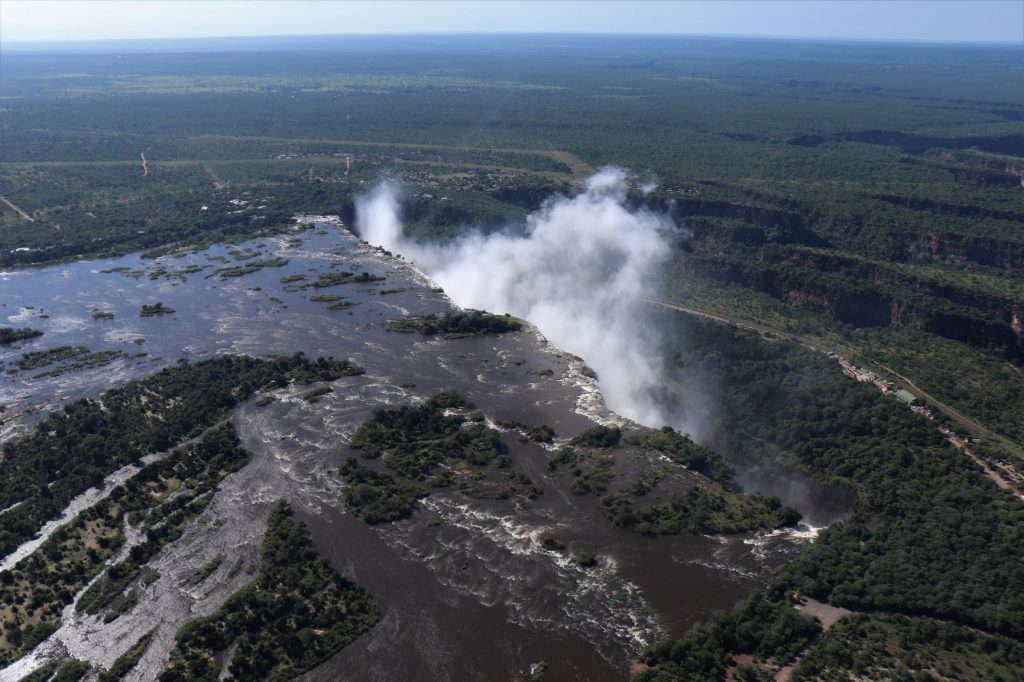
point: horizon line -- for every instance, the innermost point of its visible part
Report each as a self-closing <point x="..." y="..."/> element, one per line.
<point x="7" y="44"/>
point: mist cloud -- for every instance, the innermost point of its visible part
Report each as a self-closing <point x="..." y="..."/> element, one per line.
<point x="579" y="273"/>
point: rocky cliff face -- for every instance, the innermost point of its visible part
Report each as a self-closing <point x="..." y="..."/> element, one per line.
<point x="995" y="252"/>
<point x="987" y="322"/>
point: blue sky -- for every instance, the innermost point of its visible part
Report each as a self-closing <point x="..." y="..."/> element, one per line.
<point x="932" y="20"/>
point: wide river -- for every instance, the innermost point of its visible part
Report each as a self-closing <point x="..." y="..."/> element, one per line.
<point x="465" y="588"/>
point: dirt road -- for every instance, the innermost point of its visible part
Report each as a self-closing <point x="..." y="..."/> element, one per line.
<point x="17" y="210"/>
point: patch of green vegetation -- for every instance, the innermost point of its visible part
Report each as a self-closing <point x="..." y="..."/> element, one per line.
<point x="155" y="309"/>
<point x="681" y="449"/>
<point x="378" y="497"/>
<point x="91" y="359"/>
<point x="586" y="560"/>
<point x="102" y="315"/>
<point x="72" y="671"/>
<point x="530" y="432"/>
<point x="298" y="612"/>
<point x="207" y="570"/>
<point x="870" y="646"/>
<point x="333" y="279"/>
<point x="701" y="509"/>
<point x="9" y="335"/>
<point x="250" y="266"/>
<point x="765" y="625"/>
<point x="289" y="279"/>
<point x="127" y="661"/>
<point x="66" y="359"/>
<point x="564" y="456"/>
<point x="598" y="437"/>
<point x="315" y="395"/>
<point x="42" y="358"/>
<point x="596" y="477"/>
<point x="552" y="544"/>
<point x="413" y="442"/>
<point x="460" y="323"/>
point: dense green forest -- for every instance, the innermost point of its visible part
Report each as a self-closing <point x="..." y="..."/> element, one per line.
<point x="298" y="612"/>
<point x="931" y="536"/>
<point x="912" y="648"/>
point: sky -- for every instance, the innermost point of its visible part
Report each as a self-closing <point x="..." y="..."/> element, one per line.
<point x="915" y="20"/>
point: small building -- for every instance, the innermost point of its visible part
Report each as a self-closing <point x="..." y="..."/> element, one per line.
<point x="906" y="396"/>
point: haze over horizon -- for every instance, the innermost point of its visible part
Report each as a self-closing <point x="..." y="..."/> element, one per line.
<point x="981" y="21"/>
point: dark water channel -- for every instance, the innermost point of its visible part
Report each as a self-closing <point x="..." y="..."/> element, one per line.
<point x="465" y="588"/>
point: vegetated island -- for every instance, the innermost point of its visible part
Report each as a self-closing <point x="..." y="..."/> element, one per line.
<point x="458" y="323"/>
<point x="333" y="301"/>
<point x="333" y="279"/>
<point x="439" y="445"/>
<point x="9" y="335"/>
<point x="710" y="504"/>
<point x="248" y="267"/>
<point x="154" y="309"/>
<point x="64" y="359"/>
<point x="298" y="612"/>
<point x="412" y="443"/>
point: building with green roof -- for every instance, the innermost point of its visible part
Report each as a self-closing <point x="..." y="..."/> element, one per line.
<point x="906" y="396"/>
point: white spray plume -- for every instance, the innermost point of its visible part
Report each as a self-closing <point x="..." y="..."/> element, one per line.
<point x="579" y="274"/>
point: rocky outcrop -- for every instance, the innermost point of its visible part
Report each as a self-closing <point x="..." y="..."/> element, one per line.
<point x="1001" y="253"/>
